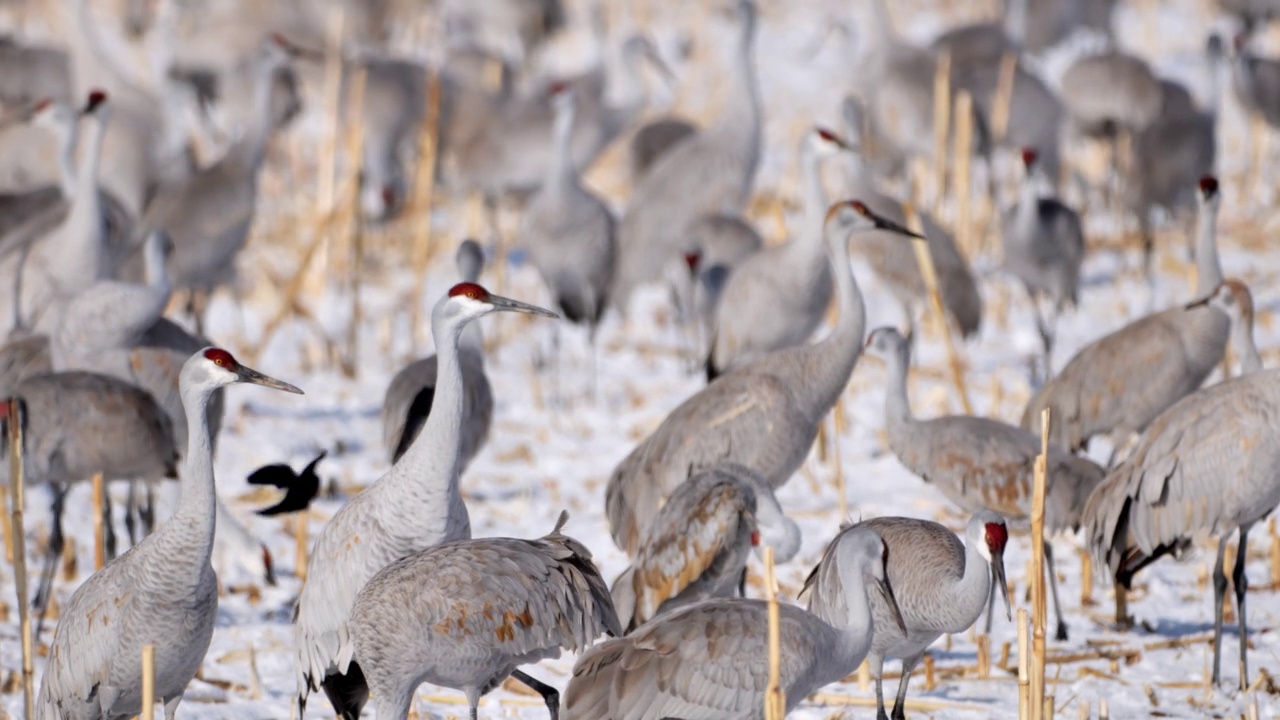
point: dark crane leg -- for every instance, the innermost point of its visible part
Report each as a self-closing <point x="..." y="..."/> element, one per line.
<point x="900" y="702"/>
<point x="549" y="694"/>
<point x="1219" y="592"/>
<point x="1241" y="582"/>
<point x="108" y="531"/>
<point x="45" y="590"/>
<point x="1053" y="586"/>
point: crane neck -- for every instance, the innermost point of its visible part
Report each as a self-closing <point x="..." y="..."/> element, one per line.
<point x="249" y="150"/>
<point x="855" y="626"/>
<point x="194" y="520"/>
<point x="974" y="587"/>
<point x="815" y="196"/>
<point x="67" y="136"/>
<point x="1028" y="209"/>
<point x="882" y="36"/>
<point x="1015" y="21"/>
<point x="739" y="121"/>
<point x="1244" y="346"/>
<point x="1208" y="266"/>
<point x="827" y="364"/>
<point x="428" y="471"/>
<point x="897" y="407"/>
<point x="560" y="171"/>
<point x="80" y="242"/>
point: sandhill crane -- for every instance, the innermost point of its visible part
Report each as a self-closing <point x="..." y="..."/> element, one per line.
<point x="1206" y="465"/>
<point x="896" y="81"/>
<point x="414" y="506"/>
<point x="207" y="215"/>
<point x="712" y="171"/>
<point x="1035" y="113"/>
<point x="394" y="103"/>
<point x="411" y="394"/>
<point x="894" y="262"/>
<point x="697" y="546"/>
<point x="59" y="120"/>
<point x="300" y="488"/>
<point x="61" y="251"/>
<point x="763" y="416"/>
<point x="1043" y="243"/>
<point x="163" y="592"/>
<point x="980" y="463"/>
<point x="1255" y="81"/>
<point x="1172" y="153"/>
<point x="569" y="230"/>
<point x="79" y="424"/>
<point x="22" y="357"/>
<point x="505" y="149"/>
<point x="778" y="297"/>
<point x="710" y="660"/>
<point x="714" y="246"/>
<point x="653" y="140"/>
<point x="1118" y="384"/>
<point x="490" y="605"/>
<point x="941" y="587"/>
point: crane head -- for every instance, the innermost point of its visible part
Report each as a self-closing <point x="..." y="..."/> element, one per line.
<point x="221" y="368"/>
<point x="854" y="216"/>
<point x="1208" y="187"/>
<point x="97" y="98"/>
<point x="1231" y="297"/>
<point x="826" y="142"/>
<point x="473" y="301"/>
<point x="989" y="534"/>
<point x="692" y="259"/>
<point x="1029" y="157"/>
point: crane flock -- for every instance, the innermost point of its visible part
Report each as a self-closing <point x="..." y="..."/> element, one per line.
<point x="119" y="215"/>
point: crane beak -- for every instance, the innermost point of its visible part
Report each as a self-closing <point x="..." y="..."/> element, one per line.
<point x="504" y="304"/>
<point x="997" y="572"/>
<point x="1198" y="303"/>
<point x="884" y="223"/>
<point x="249" y="375"/>
<point x="886" y="591"/>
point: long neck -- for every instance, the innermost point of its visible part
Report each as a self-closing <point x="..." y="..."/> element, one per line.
<point x="560" y="171"/>
<point x="815" y="197"/>
<point x="430" y="468"/>
<point x="194" y="519"/>
<point x="1243" y="345"/>
<point x="1015" y="21"/>
<point x="739" y="120"/>
<point x="80" y="244"/>
<point x="881" y="36"/>
<point x="975" y="587"/>
<point x="1208" y="268"/>
<point x="828" y="364"/>
<point x="897" y="408"/>
<point x="67" y="160"/>
<point x="1028" y="205"/>
<point x="855" y="628"/>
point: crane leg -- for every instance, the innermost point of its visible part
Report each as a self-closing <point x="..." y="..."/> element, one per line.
<point x="900" y="702"/>
<point x="147" y="513"/>
<point x="44" y="592"/>
<point x="1241" y="581"/>
<point x="877" y="669"/>
<point x="1219" y="592"/>
<point x="1061" y="633"/>
<point x="742" y="584"/>
<point x="549" y="694"/>
<point x="130" y="510"/>
<point x="108" y="530"/>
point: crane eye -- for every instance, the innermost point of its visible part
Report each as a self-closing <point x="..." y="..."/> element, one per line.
<point x="217" y="361"/>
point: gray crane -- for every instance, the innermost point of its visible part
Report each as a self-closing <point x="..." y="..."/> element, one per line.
<point x="764" y="415"/>
<point x="1256" y="81"/>
<point x="894" y="262"/>
<point x="1119" y="383"/>
<point x="207" y="215"/>
<point x="490" y="605"/>
<point x="778" y="297"/>
<point x="393" y="107"/>
<point x="569" y="230"/>
<point x="411" y="394"/>
<point x="980" y="463"/>
<point x="895" y="79"/>
<point x="941" y="587"/>
<point x="1207" y="465"/>
<point x="715" y="245"/>
<point x="414" y="506"/>
<point x="163" y="592"/>
<point x="710" y="660"/>
<point x="79" y="424"/>
<point x="711" y="171"/>
<point x="1173" y="152"/>
<point x="697" y="546"/>
<point x="62" y="250"/>
<point x="1043" y="243"/>
<point x="653" y="139"/>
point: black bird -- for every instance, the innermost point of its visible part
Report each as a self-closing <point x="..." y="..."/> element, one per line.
<point x="299" y="489"/>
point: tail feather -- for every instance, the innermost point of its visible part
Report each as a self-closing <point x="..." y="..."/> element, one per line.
<point x="347" y="693"/>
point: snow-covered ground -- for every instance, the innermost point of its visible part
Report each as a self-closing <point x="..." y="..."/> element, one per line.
<point x="541" y="459"/>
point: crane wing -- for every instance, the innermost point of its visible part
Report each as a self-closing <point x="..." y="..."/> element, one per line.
<point x="88" y="638"/>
